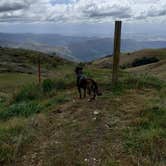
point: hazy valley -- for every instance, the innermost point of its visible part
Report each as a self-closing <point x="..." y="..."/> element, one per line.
<point x="74" y="47"/>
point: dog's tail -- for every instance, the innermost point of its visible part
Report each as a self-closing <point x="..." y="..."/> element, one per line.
<point x="97" y="89"/>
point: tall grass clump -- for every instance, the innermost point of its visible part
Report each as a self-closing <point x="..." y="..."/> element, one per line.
<point x="143" y="81"/>
<point x="131" y="81"/>
<point x="28" y="93"/>
<point x="34" y="91"/>
<point x="23" y="109"/>
<point x="13" y="134"/>
<point x="48" y="85"/>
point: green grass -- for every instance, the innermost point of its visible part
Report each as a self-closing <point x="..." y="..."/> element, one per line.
<point x="23" y="109"/>
<point x="28" y="93"/>
<point x="55" y="101"/>
<point x="9" y="134"/>
<point x="10" y="82"/>
<point x="130" y="81"/>
<point x="144" y="139"/>
<point x="147" y="138"/>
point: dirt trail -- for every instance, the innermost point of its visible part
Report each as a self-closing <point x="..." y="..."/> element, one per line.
<point x="83" y="133"/>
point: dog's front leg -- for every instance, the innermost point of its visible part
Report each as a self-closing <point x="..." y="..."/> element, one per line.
<point x="79" y="90"/>
<point x="89" y="91"/>
<point x="84" y="92"/>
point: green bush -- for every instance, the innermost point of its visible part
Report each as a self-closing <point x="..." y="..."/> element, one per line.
<point x="34" y="92"/>
<point x="48" y="85"/>
<point x="23" y="109"/>
<point x="144" y="61"/>
<point x="61" y="84"/>
<point x="140" y="62"/>
<point x="28" y="93"/>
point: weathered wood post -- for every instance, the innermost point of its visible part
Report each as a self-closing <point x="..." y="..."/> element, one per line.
<point x="39" y="70"/>
<point x="116" y="53"/>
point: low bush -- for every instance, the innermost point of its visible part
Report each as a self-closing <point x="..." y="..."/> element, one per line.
<point x="28" y="93"/>
<point x="33" y="91"/>
<point x="140" y="62"/>
<point x="144" y="61"/>
<point x="48" y="85"/>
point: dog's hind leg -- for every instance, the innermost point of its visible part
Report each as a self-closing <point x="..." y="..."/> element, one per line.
<point x="94" y="94"/>
<point x="89" y="91"/>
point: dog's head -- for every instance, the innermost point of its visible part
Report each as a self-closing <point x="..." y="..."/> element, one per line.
<point x="78" y="70"/>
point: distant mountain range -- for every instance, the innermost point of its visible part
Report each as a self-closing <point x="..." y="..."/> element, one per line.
<point x="72" y="47"/>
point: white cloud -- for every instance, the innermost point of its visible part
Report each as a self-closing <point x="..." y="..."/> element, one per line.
<point x="81" y="10"/>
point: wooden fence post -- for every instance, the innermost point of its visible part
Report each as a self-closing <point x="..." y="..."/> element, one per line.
<point x="39" y="70"/>
<point x="116" y="53"/>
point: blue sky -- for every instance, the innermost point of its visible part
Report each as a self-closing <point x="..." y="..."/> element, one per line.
<point x="87" y="17"/>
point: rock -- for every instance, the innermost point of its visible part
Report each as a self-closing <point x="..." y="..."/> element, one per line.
<point x="58" y="111"/>
<point x="96" y="112"/>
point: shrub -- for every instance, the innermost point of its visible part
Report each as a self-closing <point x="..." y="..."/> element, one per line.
<point x="144" y="61"/>
<point x="140" y="62"/>
<point x="27" y="93"/>
<point x="48" y="85"/>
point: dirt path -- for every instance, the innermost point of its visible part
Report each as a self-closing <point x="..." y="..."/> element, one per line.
<point x="83" y="133"/>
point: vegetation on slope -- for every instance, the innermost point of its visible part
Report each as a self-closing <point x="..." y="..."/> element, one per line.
<point x="145" y="56"/>
<point x="25" y="61"/>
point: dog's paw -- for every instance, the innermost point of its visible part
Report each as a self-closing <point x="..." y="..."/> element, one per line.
<point x="89" y="100"/>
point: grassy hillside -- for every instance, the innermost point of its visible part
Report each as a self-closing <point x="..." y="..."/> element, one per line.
<point x="25" y="61"/>
<point x="48" y="125"/>
<point x="155" y="57"/>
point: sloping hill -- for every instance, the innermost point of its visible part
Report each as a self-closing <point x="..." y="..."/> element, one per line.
<point x="19" y="67"/>
<point x="25" y="61"/>
<point x="157" y="66"/>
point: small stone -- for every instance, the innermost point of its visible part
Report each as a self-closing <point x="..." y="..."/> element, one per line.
<point x="96" y="112"/>
<point x="94" y="118"/>
<point x="59" y="111"/>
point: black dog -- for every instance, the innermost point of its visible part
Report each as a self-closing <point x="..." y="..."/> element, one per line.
<point x="86" y="84"/>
